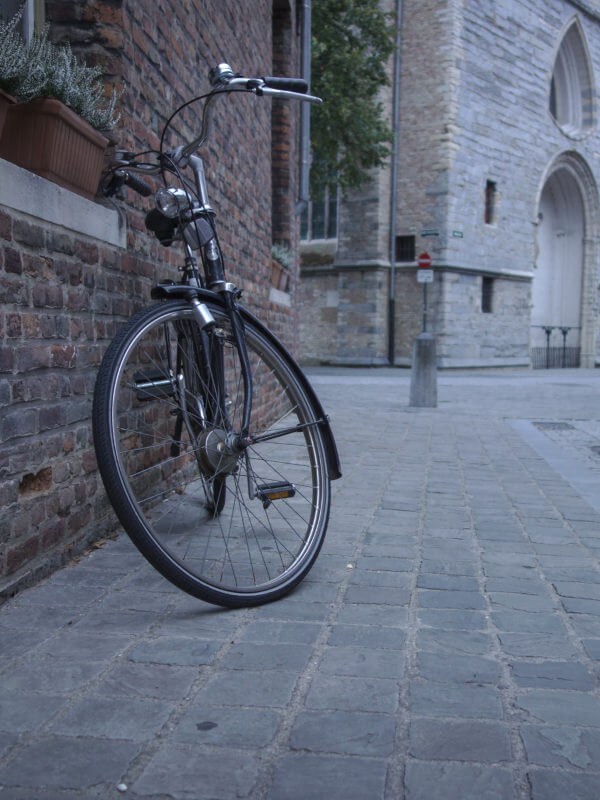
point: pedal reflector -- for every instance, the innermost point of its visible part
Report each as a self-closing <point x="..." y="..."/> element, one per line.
<point x="268" y="492"/>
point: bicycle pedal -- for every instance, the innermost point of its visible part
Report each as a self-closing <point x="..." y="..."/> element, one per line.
<point x="267" y="492"/>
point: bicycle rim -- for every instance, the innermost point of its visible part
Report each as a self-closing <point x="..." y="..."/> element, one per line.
<point x="233" y="527"/>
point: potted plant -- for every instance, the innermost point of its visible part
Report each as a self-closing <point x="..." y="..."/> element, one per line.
<point x="55" y="128"/>
<point x="12" y="63"/>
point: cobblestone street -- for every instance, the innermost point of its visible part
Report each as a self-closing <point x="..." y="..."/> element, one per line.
<point x="446" y="645"/>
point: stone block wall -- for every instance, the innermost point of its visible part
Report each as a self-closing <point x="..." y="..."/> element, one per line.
<point x="343" y="316"/>
<point x="65" y="289"/>
<point x="468" y="335"/>
<point x="474" y="111"/>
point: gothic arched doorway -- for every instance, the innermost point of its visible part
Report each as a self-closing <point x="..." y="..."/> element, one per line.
<point x="563" y="298"/>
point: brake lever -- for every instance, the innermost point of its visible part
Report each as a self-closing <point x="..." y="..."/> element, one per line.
<point x="111" y="183"/>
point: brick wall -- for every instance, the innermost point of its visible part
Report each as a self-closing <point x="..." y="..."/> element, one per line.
<point x="62" y="297"/>
<point x="63" y="294"/>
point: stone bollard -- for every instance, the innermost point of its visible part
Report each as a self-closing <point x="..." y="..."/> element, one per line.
<point x="423" y="375"/>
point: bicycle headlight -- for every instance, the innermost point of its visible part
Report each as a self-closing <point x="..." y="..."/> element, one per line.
<point x="220" y="75"/>
<point x="171" y="202"/>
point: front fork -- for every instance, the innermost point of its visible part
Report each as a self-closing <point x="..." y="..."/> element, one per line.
<point x="237" y="328"/>
<point x="209" y="352"/>
<point x="212" y="356"/>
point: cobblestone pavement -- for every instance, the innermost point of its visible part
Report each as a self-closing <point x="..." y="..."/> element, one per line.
<point x="445" y="645"/>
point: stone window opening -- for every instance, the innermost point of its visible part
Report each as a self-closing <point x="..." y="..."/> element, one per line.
<point x="320" y="217"/>
<point x="487" y="295"/>
<point x="406" y="249"/>
<point x="572" y="91"/>
<point x="491" y="197"/>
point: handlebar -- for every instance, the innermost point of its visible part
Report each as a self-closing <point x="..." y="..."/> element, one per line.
<point x="223" y="81"/>
<point x="297" y="85"/>
<point x="138" y="185"/>
<point x="115" y="180"/>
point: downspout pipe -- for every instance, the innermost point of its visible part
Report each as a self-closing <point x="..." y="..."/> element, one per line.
<point x="394" y="186"/>
<point x="304" y="193"/>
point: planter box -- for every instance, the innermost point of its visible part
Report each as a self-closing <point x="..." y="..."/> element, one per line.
<point x="46" y="137"/>
<point x="279" y="276"/>
<point x="6" y="101"/>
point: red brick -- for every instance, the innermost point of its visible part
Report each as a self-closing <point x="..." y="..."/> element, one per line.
<point x="88" y="462"/>
<point x="102" y="12"/>
<point x="78" y="519"/>
<point x="52" y="417"/>
<point x="34" y="265"/>
<point x="68" y="442"/>
<point x="28" y="234"/>
<point x="52" y="534"/>
<point x="62" y="356"/>
<point x="33" y="484"/>
<point x="31" y="325"/>
<point x="18" y="556"/>
<point x="32" y="356"/>
<point x="12" y="261"/>
<point x="5" y="226"/>
<point x="13" y="325"/>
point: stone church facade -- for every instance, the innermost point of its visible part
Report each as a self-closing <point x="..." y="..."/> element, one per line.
<point x="497" y="179"/>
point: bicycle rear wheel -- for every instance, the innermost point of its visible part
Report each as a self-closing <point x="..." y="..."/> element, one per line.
<point x="233" y="526"/>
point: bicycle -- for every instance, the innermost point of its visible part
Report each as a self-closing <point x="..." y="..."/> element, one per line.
<point x="213" y="447"/>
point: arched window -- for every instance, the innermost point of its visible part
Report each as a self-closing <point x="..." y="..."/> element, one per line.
<point x="572" y="90"/>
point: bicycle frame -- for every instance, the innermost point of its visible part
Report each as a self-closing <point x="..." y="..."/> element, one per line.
<point x="197" y="211"/>
<point x="215" y="278"/>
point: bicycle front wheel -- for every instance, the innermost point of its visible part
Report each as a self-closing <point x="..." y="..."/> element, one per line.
<point x="234" y="526"/>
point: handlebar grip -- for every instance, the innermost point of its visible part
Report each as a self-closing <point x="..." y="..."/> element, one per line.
<point x="287" y="84"/>
<point x="138" y="185"/>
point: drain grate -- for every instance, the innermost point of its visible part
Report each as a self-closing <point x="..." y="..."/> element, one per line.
<point x="553" y="426"/>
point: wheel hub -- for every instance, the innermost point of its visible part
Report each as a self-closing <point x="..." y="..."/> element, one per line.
<point x="215" y="454"/>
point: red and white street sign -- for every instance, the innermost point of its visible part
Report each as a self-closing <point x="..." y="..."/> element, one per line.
<point x="424" y="273"/>
<point x="424" y="261"/>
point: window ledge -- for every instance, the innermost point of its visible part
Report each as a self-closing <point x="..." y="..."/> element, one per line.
<point x="31" y="194"/>
<point x="320" y="246"/>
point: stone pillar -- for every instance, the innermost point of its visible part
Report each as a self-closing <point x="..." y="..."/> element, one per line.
<point x="423" y="376"/>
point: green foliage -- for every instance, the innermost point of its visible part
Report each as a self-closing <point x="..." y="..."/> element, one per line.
<point x="43" y="69"/>
<point x="13" y="54"/>
<point x="283" y="255"/>
<point x="352" y="42"/>
<point x="80" y="87"/>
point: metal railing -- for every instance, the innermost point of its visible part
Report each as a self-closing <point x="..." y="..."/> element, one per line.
<point x="553" y="356"/>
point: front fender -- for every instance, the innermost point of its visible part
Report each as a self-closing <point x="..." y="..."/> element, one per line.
<point x="333" y="460"/>
<point x="164" y="291"/>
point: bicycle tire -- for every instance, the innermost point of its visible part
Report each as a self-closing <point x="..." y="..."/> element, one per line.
<point x="212" y="524"/>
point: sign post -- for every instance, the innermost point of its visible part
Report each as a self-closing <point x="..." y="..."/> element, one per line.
<point x="424" y="276"/>
<point x="423" y="378"/>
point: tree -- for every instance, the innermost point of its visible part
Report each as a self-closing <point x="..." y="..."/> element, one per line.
<point x="352" y="42"/>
